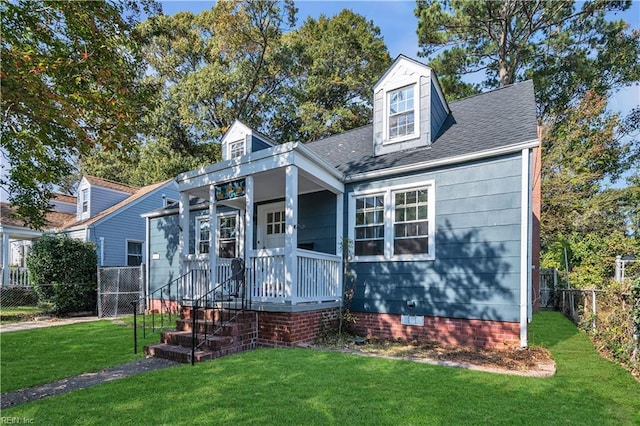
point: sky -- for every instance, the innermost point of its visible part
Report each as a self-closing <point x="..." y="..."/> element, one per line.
<point x="398" y="25"/>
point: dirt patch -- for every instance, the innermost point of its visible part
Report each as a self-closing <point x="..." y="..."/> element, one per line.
<point x="533" y="361"/>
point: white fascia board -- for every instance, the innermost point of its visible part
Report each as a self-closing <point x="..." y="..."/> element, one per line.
<point x="318" y="174"/>
<point x="185" y="180"/>
<point x="442" y="162"/>
<point x="266" y="159"/>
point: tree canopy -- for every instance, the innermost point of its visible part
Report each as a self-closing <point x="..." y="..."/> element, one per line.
<point x="245" y="60"/>
<point x="70" y="83"/>
<point x="567" y="47"/>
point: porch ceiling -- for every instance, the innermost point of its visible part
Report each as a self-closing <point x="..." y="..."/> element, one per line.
<point x="270" y="185"/>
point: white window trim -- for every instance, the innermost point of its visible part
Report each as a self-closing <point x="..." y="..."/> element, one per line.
<point x="126" y="250"/>
<point x="415" y="82"/>
<point x="196" y="248"/>
<point x="230" y="145"/>
<point x="84" y="213"/>
<point x="389" y="217"/>
<point x="218" y="237"/>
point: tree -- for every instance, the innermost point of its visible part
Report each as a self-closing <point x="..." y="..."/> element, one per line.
<point x="566" y="50"/>
<point x="220" y="65"/>
<point x="337" y="60"/>
<point x="70" y="83"/>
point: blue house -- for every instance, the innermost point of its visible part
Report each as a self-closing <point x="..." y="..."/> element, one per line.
<point x="435" y="202"/>
<point x="108" y="213"/>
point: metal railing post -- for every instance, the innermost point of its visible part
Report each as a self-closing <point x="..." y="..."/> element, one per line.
<point x="135" y="326"/>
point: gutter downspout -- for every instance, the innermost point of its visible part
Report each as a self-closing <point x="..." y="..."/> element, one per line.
<point x="525" y="270"/>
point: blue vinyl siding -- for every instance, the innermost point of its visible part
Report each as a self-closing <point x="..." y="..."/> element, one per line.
<point x="164" y="236"/>
<point x="101" y="198"/>
<point x="317" y="220"/>
<point x="127" y="224"/>
<point x="476" y="271"/>
<point x="438" y="113"/>
<point x="258" y="144"/>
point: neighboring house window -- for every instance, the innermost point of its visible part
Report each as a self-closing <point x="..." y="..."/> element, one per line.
<point x="236" y="149"/>
<point x="85" y="200"/>
<point x="134" y="253"/>
<point x="395" y="223"/>
<point x="401" y="112"/>
<point x="227" y="245"/>
<point x="369" y="230"/>
<point x="202" y="235"/>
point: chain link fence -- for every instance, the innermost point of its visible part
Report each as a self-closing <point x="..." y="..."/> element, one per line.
<point x="27" y="302"/>
<point x="118" y="288"/>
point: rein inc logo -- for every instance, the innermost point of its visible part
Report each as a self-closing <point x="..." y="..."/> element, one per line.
<point x="16" y="420"/>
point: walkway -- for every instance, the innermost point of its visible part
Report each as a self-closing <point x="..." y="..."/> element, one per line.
<point x="49" y="322"/>
<point x="83" y="381"/>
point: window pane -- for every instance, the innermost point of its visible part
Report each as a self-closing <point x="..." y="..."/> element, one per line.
<point x="269" y="229"/>
<point x="411" y="246"/>
<point x="369" y="248"/>
<point x="422" y="212"/>
<point x="399" y="215"/>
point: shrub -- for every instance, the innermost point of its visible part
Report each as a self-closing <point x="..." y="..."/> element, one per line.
<point x="64" y="272"/>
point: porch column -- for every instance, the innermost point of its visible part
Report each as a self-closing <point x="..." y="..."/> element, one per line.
<point x="183" y="241"/>
<point x="5" y="258"/>
<point x="340" y="240"/>
<point x="291" y="236"/>
<point x="248" y="219"/>
<point x="213" y="236"/>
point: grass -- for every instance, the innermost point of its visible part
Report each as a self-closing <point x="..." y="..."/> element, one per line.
<point x="20" y="313"/>
<point x="34" y="357"/>
<point x="302" y="386"/>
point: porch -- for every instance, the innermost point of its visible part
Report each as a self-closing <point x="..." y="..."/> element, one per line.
<point x="279" y="209"/>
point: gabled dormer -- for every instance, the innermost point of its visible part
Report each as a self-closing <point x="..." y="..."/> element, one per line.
<point x="408" y="107"/>
<point x="96" y="194"/>
<point x="241" y="139"/>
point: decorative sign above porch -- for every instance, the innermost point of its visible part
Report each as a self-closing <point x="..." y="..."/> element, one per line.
<point x="230" y="190"/>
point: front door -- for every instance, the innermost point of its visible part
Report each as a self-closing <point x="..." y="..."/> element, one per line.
<point x="271" y="225"/>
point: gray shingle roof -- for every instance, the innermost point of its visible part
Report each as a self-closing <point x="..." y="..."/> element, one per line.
<point x="492" y="120"/>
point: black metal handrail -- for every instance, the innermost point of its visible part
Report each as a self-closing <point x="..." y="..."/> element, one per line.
<point x="209" y="300"/>
<point x="165" y="308"/>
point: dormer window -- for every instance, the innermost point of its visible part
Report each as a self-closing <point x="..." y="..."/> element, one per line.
<point x="401" y="112"/>
<point x="85" y="200"/>
<point x="236" y="149"/>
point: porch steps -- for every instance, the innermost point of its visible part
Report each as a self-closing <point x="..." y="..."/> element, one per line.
<point x="216" y="338"/>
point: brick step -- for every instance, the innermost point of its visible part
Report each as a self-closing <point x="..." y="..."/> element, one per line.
<point x="209" y="327"/>
<point x="178" y="353"/>
<point x="216" y="314"/>
<point x="184" y="338"/>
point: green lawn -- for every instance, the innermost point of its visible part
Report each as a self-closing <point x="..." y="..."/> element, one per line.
<point x="303" y="386"/>
<point x="43" y="355"/>
<point x="20" y="313"/>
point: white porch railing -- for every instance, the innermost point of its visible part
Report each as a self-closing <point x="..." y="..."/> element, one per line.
<point x="18" y="277"/>
<point x="197" y="281"/>
<point x="318" y="277"/>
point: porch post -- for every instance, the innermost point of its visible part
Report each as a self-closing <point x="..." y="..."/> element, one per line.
<point x="291" y="236"/>
<point x="213" y="237"/>
<point x="5" y="258"/>
<point x="183" y="241"/>
<point x="248" y="219"/>
<point x="340" y="240"/>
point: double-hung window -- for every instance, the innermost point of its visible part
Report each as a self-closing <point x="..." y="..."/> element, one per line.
<point x="227" y="243"/>
<point x="395" y="223"/>
<point x="202" y="235"/>
<point x="401" y="112"/>
<point x="369" y="229"/>
<point x="134" y="253"/>
<point x="85" y="200"/>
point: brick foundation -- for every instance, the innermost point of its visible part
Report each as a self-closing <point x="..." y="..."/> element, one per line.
<point x="446" y="331"/>
<point x="277" y="329"/>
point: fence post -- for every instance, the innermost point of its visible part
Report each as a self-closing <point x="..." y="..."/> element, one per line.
<point x="593" y="307"/>
<point x="99" y="294"/>
<point x="618" y="276"/>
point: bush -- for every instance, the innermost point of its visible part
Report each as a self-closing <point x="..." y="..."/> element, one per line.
<point x="64" y="272"/>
